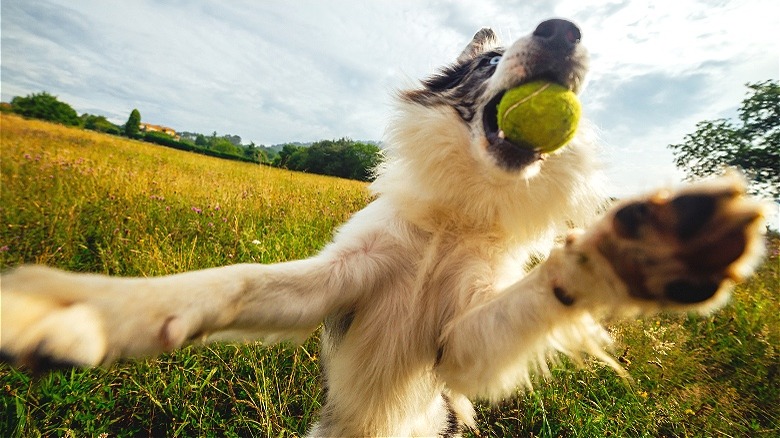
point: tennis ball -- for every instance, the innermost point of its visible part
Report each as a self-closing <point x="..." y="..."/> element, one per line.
<point x="540" y="114"/>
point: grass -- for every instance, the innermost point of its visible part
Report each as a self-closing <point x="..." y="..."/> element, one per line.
<point x="90" y="202"/>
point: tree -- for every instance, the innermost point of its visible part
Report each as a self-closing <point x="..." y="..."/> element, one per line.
<point x="223" y="145"/>
<point x="99" y="123"/>
<point x="363" y="159"/>
<point x="254" y="153"/>
<point x="200" y="140"/>
<point x="133" y="125"/>
<point x="44" y="106"/>
<point x="234" y="139"/>
<point x="752" y="144"/>
<point x="285" y="155"/>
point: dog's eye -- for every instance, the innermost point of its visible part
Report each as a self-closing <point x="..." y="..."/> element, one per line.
<point x="495" y="60"/>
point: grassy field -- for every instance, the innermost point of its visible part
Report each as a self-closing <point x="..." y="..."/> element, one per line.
<point x="89" y="202"/>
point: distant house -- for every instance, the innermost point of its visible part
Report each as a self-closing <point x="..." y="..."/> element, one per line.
<point x="148" y="127"/>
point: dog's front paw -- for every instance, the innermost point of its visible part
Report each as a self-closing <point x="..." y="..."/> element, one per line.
<point x="683" y="248"/>
<point x="41" y="330"/>
<point x="52" y="319"/>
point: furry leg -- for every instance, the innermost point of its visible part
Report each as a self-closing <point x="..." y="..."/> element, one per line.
<point x="680" y="251"/>
<point x="50" y="317"/>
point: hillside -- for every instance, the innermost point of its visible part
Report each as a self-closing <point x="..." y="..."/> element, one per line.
<point x="89" y="201"/>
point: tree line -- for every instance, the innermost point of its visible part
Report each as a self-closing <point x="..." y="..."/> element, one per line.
<point x="343" y="158"/>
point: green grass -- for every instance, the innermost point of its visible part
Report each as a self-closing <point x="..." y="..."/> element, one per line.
<point x="89" y="202"/>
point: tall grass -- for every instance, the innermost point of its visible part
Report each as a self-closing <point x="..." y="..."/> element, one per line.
<point x="89" y="202"/>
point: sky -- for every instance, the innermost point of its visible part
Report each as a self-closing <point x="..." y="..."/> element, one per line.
<point x="283" y="71"/>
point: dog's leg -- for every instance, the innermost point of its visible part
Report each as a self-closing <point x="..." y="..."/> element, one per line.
<point x="678" y="251"/>
<point x="52" y="318"/>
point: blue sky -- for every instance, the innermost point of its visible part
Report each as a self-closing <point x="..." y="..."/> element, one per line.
<point x="274" y="72"/>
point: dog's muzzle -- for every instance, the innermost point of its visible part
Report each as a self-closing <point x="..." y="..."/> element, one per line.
<point x="552" y="44"/>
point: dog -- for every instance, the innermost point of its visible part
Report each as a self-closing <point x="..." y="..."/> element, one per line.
<point x="425" y="296"/>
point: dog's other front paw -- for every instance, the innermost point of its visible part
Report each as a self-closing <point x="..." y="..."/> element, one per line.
<point x="684" y="249"/>
<point x="41" y="330"/>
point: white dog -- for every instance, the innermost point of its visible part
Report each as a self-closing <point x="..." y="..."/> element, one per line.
<point x="424" y="294"/>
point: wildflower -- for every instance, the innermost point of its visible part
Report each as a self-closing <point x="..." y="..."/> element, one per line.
<point x="256" y="242"/>
<point x="4" y="248"/>
<point x="197" y="210"/>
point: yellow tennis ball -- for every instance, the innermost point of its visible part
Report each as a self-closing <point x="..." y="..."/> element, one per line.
<point x="541" y="115"/>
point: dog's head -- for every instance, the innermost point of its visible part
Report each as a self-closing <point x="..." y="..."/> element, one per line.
<point x="484" y="71"/>
<point x="445" y="143"/>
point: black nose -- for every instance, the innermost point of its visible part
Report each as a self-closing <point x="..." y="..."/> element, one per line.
<point x="558" y="34"/>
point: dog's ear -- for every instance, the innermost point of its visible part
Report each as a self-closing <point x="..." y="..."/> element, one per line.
<point x="483" y="41"/>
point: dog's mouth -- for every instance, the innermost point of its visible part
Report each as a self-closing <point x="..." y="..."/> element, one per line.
<point x="511" y="155"/>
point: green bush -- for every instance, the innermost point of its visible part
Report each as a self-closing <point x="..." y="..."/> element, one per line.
<point x="99" y="124"/>
<point x="44" y="106"/>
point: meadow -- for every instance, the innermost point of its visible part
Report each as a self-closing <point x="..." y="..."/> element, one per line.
<point x="91" y="202"/>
